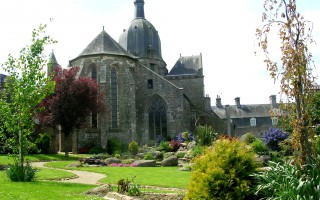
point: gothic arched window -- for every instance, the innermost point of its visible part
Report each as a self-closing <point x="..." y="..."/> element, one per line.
<point x="157" y="120"/>
<point x="114" y="99"/>
<point x="94" y="73"/>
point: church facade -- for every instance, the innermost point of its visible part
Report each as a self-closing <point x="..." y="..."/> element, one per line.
<point x="145" y="102"/>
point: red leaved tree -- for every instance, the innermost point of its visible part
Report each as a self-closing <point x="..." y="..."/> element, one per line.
<point x="73" y="100"/>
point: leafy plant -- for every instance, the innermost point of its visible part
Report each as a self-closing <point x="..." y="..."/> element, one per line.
<point x="133" y="147"/>
<point x="287" y="181"/>
<point x="273" y="137"/>
<point x="174" y="145"/>
<point x="17" y="173"/>
<point x="223" y="172"/>
<point x="43" y="143"/>
<point x="259" y="147"/>
<point x="204" y="135"/>
<point x="148" y="156"/>
<point x="134" y="189"/>
<point x="198" y="151"/>
<point x="248" y="138"/>
<point x="164" y="145"/>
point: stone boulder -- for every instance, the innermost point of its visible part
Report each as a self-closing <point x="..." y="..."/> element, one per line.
<point x="144" y="163"/>
<point x="171" y="161"/>
<point x="191" y="145"/>
<point x="111" y="160"/>
<point x="100" y="191"/>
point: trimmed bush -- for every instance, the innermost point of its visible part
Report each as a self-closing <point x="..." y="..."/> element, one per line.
<point x="223" y="172"/>
<point x="248" y="138"/>
<point x="259" y="147"/>
<point x="133" y="148"/>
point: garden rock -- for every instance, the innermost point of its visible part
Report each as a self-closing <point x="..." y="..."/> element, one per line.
<point x="171" y="161"/>
<point x="111" y="160"/>
<point x="100" y="191"/>
<point x="263" y="159"/>
<point x="145" y="163"/>
<point x="168" y="154"/>
<point x="191" y="145"/>
<point x="157" y="155"/>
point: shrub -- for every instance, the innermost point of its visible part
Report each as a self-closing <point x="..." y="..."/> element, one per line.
<point x="115" y="146"/>
<point x="259" y="147"/>
<point x="286" y="148"/>
<point x="286" y="181"/>
<point x="97" y="150"/>
<point x="198" y="151"/>
<point x="15" y="172"/>
<point x="43" y="143"/>
<point x="248" y="138"/>
<point x="133" y="147"/>
<point x="204" y="135"/>
<point x="273" y="137"/>
<point x="165" y="146"/>
<point x="174" y="145"/>
<point x="148" y="156"/>
<point x="223" y="172"/>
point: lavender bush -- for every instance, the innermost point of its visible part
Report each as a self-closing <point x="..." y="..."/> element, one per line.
<point x="273" y="137"/>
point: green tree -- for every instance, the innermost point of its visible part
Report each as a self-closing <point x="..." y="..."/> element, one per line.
<point x="295" y="72"/>
<point x="26" y="86"/>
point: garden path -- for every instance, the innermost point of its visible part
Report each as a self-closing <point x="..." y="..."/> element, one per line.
<point x="83" y="177"/>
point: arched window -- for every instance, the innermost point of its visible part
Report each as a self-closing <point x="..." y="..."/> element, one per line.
<point x="94" y="73"/>
<point x="157" y="120"/>
<point x="253" y="122"/>
<point x="114" y="99"/>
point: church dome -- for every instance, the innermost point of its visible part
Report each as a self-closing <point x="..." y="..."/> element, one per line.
<point x="141" y="39"/>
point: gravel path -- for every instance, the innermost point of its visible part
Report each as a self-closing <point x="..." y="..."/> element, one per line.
<point x="82" y="176"/>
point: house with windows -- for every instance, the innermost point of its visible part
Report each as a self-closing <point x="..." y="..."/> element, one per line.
<point x="145" y="102"/>
<point x="254" y="118"/>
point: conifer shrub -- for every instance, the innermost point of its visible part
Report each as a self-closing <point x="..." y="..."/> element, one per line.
<point x="223" y="172"/>
<point x="133" y="148"/>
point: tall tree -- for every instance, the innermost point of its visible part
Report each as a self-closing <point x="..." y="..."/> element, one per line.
<point x="72" y="102"/>
<point x="26" y="86"/>
<point x="295" y="72"/>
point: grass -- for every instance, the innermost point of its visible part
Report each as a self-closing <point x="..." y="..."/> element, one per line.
<point x="53" y="174"/>
<point x="7" y="159"/>
<point x="42" y="190"/>
<point x="153" y="176"/>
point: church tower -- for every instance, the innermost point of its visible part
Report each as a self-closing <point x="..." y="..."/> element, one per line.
<point x="142" y="40"/>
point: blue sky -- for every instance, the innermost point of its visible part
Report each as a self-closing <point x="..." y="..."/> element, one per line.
<point x="223" y="31"/>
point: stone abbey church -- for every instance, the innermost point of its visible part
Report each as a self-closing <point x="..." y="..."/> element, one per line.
<point x="145" y="102"/>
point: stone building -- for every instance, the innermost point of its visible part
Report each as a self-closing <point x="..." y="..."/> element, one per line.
<point x="144" y="101"/>
<point x="254" y="118"/>
<point x="2" y="80"/>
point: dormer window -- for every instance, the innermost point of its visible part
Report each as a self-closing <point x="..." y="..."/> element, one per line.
<point x="253" y="122"/>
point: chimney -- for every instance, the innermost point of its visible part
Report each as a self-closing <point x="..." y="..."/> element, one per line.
<point x="273" y="101"/>
<point x="218" y="102"/>
<point x="237" y="101"/>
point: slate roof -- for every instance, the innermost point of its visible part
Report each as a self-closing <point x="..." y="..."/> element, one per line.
<point x="104" y="44"/>
<point x="187" y="65"/>
<point x="245" y="111"/>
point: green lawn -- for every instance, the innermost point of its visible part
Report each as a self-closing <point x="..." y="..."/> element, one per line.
<point x="42" y="190"/>
<point x="155" y="176"/>
<point x="5" y="159"/>
<point x="52" y="174"/>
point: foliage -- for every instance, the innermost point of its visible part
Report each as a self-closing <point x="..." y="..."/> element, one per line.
<point x="296" y="77"/>
<point x="133" y="147"/>
<point x="97" y="150"/>
<point x="15" y="172"/>
<point x="286" y="181"/>
<point x="286" y="147"/>
<point x="43" y="143"/>
<point x="273" y="137"/>
<point x="115" y="146"/>
<point x="185" y="137"/>
<point x="223" y="172"/>
<point x="248" y="138"/>
<point x="259" y="146"/>
<point x="204" y="135"/>
<point x="198" y="151"/>
<point x="73" y="100"/>
<point x="26" y="87"/>
<point x="134" y="188"/>
<point x="165" y="146"/>
<point x="174" y="145"/>
<point x="148" y="156"/>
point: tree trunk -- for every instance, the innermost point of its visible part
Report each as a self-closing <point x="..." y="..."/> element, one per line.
<point x="66" y="150"/>
<point x="20" y="150"/>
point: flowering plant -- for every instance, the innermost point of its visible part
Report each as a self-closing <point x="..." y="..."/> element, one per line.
<point x="273" y="137"/>
<point x="185" y="137"/>
<point x="122" y="165"/>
